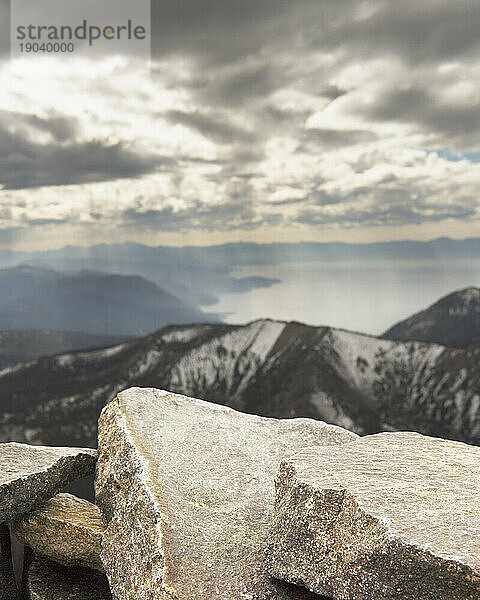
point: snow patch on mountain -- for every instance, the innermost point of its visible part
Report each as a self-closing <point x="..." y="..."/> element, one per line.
<point x="229" y="360"/>
<point x="360" y="382"/>
<point x="469" y="295"/>
<point x="357" y="355"/>
<point x="15" y="368"/>
<point x="331" y="412"/>
<point x="148" y="362"/>
<point x="68" y="360"/>
<point x="183" y="335"/>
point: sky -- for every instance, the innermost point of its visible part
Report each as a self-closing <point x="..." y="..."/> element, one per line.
<point x="260" y="120"/>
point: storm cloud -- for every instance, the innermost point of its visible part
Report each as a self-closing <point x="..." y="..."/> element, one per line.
<point x="26" y="163"/>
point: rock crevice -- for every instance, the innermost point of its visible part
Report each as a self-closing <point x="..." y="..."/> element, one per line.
<point x="31" y="475"/>
<point x="192" y="484"/>
<point x="197" y="501"/>
<point x="66" y="529"/>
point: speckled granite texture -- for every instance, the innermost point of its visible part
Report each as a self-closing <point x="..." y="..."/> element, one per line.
<point x="66" y="529"/>
<point x="30" y="475"/>
<point x="389" y="516"/>
<point x="187" y="491"/>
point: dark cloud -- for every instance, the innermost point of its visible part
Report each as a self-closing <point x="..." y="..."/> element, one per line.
<point x="227" y="216"/>
<point x="244" y="156"/>
<point x="454" y="123"/>
<point x="37" y="222"/>
<point x="418" y="31"/>
<point x="337" y="138"/>
<point x="224" y="31"/>
<point x="4" y="27"/>
<point x="401" y="104"/>
<point x="211" y="126"/>
<point x="60" y="128"/>
<point x="26" y="164"/>
<point x="392" y="201"/>
<point x="332" y="92"/>
<point x="393" y="215"/>
<point x="235" y="88"/>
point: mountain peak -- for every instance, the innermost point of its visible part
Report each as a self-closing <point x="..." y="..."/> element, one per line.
<point x="454" y="320"/>
<point x="88" y="301"/>
<point x="267" y="368"/>
<point x="469" y="294"/>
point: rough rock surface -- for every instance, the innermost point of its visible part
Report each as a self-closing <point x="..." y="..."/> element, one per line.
<point x="66" y="529"/>
<point x="50" y="581"/>
<point x="187" y="494"/>
<point x="8" y="588"/>
<point x="393" y="515"/>
<point x="30" y="475"/>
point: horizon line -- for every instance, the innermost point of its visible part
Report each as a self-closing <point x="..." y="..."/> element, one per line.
<point x="245" y="243"/>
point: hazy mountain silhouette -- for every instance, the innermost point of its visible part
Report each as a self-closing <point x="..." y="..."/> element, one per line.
<point x="88" y="302"/>
<point x="204" y="273"/>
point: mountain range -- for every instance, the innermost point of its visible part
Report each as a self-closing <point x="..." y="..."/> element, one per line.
<point x="204" y="273"/>
<point x="140" y="257"/>
<point x="89" y="302"/>
<point x="269" y="368"/>
<point x="199" y="273"/>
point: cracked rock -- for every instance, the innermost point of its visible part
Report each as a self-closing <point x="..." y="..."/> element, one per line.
<point x="66" y="529"/>
<point x="393" y="515"/>
<point x="186" y="490"/>
<point x="30" y="475"/>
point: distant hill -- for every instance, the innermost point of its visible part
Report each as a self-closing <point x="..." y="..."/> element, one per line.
<point x="452" y="321"/>
<point x="202" y="274"/>
<point x="155" y="260"/>
<point x="26" y="345"/>
<point x="205" y="273"/>
<point x="88" y="302"/>
<point x="268" y="368"/>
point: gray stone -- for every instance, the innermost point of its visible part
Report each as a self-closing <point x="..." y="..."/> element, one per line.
<point x="66" y="529"/>
<point x="389" y="516"/>
<point x="186" y="490"/>
<point x="47" y="580"/>
<point x="30" y="475"/>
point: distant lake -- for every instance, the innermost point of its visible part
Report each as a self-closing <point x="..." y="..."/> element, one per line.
<point x="369" y="296"/>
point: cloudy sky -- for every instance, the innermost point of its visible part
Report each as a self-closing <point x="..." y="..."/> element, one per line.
<point x="261" y="120"/>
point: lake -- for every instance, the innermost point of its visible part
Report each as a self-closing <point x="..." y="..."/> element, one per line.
<point x="368" y="296"/>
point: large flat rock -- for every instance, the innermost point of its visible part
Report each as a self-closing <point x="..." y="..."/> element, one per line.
<point x="47" y="580"/>
<point x="186" y="489"/>
<point x="66" y="529"/>
<point x="30" y="475"/>
<point x="393" y="515"/>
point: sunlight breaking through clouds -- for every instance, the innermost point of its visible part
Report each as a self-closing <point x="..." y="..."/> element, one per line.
<point x="304" y="128"/>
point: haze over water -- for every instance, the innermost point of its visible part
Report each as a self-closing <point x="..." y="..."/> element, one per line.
<point x="361" y="296"/>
